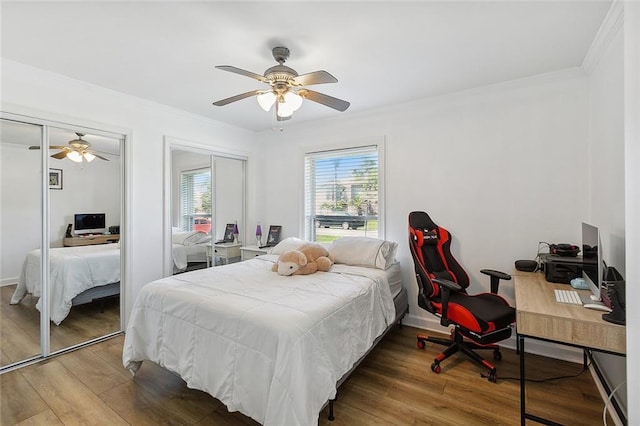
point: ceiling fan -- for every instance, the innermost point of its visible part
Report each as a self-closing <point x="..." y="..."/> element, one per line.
<point x="287" y="87"/>
<point x="76" y="151"/>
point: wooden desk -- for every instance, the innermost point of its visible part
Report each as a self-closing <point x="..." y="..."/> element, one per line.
<point x="539" y="316"/>
<point x="90" y="240"/>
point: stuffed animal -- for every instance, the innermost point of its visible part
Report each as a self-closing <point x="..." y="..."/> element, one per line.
<point x="307" y="259"/>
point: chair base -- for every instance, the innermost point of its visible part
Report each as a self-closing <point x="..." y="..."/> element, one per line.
<point x="457" y="344"/>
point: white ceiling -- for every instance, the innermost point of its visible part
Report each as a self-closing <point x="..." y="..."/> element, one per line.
<point x="381" y="52"/>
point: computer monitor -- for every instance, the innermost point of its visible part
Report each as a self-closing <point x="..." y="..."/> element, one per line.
<point x="89" y="223"/>
<point x="593" y="263"/>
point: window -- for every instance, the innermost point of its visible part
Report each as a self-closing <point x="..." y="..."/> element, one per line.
<point x="342" y="196"/>
<point x="195" y="200"/>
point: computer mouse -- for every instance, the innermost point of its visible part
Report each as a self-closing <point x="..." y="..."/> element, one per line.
<point x="597" y="307"/>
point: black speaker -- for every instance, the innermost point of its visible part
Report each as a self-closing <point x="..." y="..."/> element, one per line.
<point x="526" y="265"/>
<point x="613" y="295"/>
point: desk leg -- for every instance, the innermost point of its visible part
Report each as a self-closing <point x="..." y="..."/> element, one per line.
<point x="520" y="346"/>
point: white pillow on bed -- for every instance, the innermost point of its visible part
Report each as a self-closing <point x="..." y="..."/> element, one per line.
<point x="190" y="238"/>
<point x="285" y="245"/>
<point x="364" y="251"/>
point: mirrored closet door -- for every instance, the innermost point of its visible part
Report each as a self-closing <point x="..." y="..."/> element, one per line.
<point x="62" y="190"/>
<point x="20" y="234"/>
<point x="207" y="193"/>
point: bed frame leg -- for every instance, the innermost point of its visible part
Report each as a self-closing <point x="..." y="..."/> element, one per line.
<point x="331" y="416"/>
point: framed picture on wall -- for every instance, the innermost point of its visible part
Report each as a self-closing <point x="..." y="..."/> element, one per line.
<point x="55" y="178"/>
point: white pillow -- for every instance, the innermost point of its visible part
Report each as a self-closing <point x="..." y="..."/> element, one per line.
<point x="286" y="245"/>
<point x="363" y="251"/>
<point x="189" y="238"/>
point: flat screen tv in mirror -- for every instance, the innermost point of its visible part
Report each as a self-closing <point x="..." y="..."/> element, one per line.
<point x="89" y="223"/>
<point x="593" y="263"/>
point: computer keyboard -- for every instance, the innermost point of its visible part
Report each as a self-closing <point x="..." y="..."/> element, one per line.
<point x="568" y="296"/>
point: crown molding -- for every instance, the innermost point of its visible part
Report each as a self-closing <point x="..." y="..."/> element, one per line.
<point x="607" y="32"/>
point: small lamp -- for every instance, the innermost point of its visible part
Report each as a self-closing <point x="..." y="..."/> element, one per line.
<point x="259" y="234"/>
<point x="235" y="232"/>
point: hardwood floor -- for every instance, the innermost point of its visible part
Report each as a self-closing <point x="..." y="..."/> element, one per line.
<point x="393" y="386"/>
<point x="20" y="325"/>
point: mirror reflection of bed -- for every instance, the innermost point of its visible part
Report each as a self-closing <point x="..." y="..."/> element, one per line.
<point x="84" y="280"/>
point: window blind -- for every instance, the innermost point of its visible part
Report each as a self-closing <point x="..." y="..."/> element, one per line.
<point x="341" y="193"/>
<point x="195" y="197"/>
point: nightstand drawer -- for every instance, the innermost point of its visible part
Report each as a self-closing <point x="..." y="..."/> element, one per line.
<point x="250" y="252"/>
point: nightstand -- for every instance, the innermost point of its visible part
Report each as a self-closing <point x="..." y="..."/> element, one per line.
<point x="227" y="252"/>
<point x="249" y="252"/>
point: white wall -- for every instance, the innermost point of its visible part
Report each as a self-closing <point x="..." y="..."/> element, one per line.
<point x="606" y="175"/>
<point x="54" y="96"/>
<point x="20" y="225"/>
<point x="501" y="167"/>
<point x="632" y="200"/>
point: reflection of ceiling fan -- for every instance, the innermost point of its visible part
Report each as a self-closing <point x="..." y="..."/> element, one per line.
<point x="76" y="151"/>
<point x="287" y="91"/>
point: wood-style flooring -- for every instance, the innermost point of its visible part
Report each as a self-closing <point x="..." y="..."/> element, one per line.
<point x="393" y="386"/>
<point x="20" y="325"/>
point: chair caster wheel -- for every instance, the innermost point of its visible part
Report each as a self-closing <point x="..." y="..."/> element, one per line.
<point x="497" y="354"/>
<point x="493" y="377"/>
<point x="435" y="367"/>
<point x="420" y="344"/>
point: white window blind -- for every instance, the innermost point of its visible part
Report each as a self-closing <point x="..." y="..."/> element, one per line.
<point x="341" y="193"/>
<point x="195" y="200"/>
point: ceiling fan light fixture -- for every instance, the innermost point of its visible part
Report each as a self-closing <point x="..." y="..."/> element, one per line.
<point x="284" y="110"/>
<point x="266" y="100"/>
<point x="89" y="157"/>
<point x="74" y="156"/>
<point x="293" y="100"/>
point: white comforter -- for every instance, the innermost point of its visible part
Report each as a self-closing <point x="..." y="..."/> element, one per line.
<point x="272" y="347"/>
<point x="72" y="271"/>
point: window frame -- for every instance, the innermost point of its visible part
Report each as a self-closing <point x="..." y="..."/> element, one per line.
<point x="181" y="192"/>
<point x="374" y="142"/>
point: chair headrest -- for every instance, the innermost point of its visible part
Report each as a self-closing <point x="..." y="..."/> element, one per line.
<point x="429" y="237"/>
<point x="426" y="229"/>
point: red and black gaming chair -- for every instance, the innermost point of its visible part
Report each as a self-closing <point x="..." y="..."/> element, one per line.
<point x="479" y="320"/>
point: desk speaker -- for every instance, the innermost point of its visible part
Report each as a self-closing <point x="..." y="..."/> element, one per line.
<point x="526" y="265"/>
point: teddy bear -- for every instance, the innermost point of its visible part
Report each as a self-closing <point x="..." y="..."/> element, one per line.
<point x="305" y="260"/>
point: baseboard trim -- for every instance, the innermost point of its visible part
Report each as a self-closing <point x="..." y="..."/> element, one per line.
<point x="8" y="281"/>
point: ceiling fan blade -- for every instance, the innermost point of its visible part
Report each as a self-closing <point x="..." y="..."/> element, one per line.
<point x="59" y="155"/>
<point x="240" y="71"/>
<point x="237" y="98"/>
<point x="316" y="77"/>
<point x="50" y="147"/>
<point x="100" y="156"/>
<point x="323" y="99"/>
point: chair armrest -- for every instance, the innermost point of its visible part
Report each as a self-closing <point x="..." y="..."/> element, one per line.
<point x="446" y="287"/>
<point x="496" y="276"/>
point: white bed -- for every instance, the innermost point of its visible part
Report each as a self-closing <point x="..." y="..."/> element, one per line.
<point x="188" y="247"/>
<point x="273" y="347"/>
<point x="77" y="275"/>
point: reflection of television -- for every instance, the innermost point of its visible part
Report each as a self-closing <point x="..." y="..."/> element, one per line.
<point x="593" y="263"/>
<point x="89" y="223"/>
